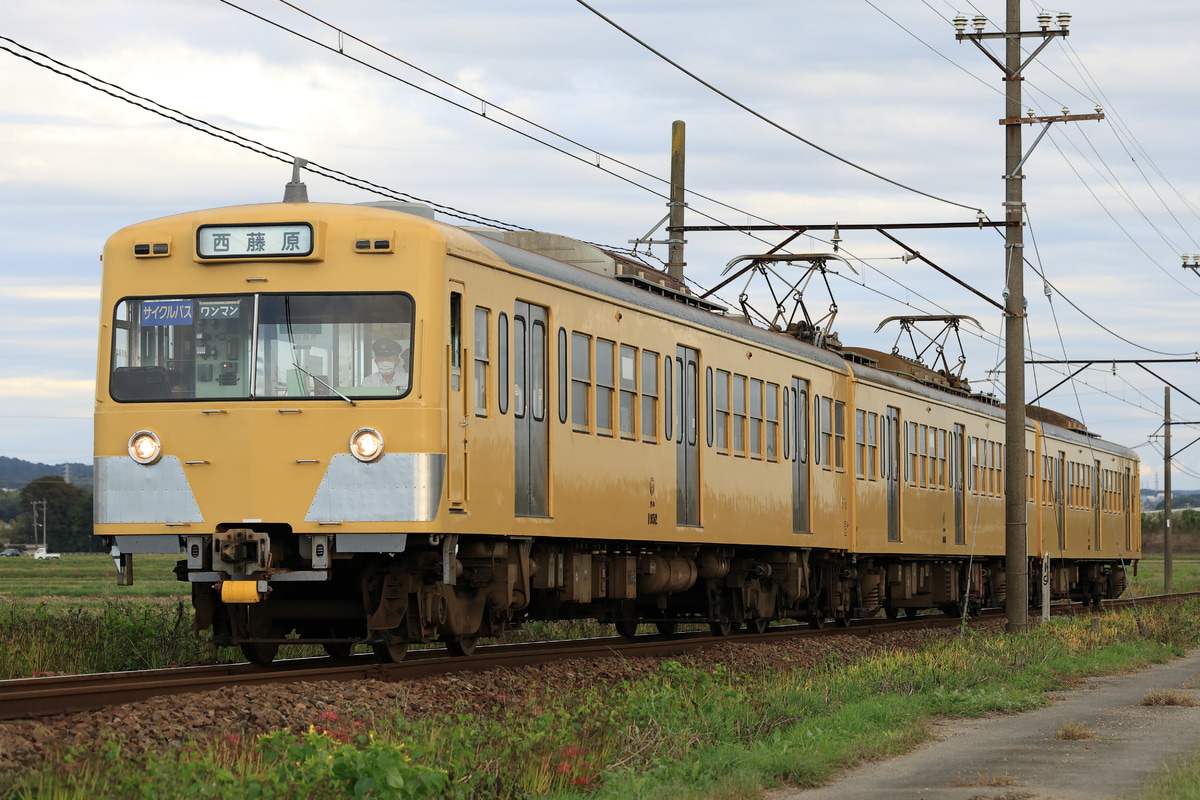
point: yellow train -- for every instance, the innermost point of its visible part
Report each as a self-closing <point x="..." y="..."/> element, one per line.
<point x="361" y="425"/>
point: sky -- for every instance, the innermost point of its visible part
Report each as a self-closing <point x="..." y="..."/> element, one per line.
<point x="883" y="85"/>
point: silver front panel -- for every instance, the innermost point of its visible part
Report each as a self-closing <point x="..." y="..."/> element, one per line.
<point x="399" y="487"/>
<point x="127" y="492"/>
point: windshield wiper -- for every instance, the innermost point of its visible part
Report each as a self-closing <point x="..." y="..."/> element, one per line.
<point x="323" y="383"/>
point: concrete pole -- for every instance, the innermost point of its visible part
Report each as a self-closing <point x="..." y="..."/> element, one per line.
<point x="675" y="262"/>
<point x="1016" y="543"/>
<point x="1167" y="490"/>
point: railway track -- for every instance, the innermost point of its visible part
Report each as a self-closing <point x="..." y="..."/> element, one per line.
<point x="46" y="696"/>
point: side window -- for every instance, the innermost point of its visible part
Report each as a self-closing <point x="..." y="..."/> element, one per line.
<point x="823" y="409"/>
<point x="839" y="435"/>
<point x="520" y="378"/>
<point x="772" y="417"/>
<point x="628" y="391"/>
<point x="649" y="376"/>
<point x="756" y="419"/>
<point x="455" y="341"/>
<point x="482" y="362"/>
<point x="502" y="378"/>
<point x="537" y="371"/>
<point x="564" y="378"/>
<point x="787" y="423"/>
<point x="721" y="411"/>
<point x="872" y="446"/>
<point x="800" y="409"/>
<point x="581" y="381"/>
<point x="739" y="416"/>
<point x="668" y="399"/>
<point x="860" y="444"/>
<point x="604" y="386"/>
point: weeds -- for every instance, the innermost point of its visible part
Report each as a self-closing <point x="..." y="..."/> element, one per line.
<point x="1168" y="697"/>
<point x="1072" y="731"/>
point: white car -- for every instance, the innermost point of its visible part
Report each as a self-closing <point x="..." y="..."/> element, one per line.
<point x="41" y="553"/>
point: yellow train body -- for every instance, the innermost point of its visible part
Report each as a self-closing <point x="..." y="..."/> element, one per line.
<point x="560" y="443"/>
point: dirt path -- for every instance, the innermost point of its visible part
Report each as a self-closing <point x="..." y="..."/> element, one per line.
<point x="1019" y="758"/>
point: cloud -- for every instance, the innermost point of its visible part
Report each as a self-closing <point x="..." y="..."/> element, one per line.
<point x="34" y="386"/>
<point x="17" y="292"/>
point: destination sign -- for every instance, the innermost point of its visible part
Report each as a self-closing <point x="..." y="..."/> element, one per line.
<point x="273" y="240"/>
<point x="154" y="313"/>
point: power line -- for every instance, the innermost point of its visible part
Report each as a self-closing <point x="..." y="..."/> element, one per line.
<point x="174" y="115"/>
<point x="768" y="120"/>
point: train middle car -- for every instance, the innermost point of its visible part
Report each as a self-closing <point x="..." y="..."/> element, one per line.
<point x="359" y="425"/>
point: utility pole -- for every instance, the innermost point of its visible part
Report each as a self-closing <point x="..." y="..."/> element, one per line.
<point x="1167" y="487"/>
<point x="1016" y="541"/>
<point x="675" y="240"/>
<point x="676" y="204"/>
<point x="34" y="506"/>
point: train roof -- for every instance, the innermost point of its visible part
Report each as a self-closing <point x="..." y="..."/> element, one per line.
<point x="583" y="266"/>
<point x="1058" y="425"/>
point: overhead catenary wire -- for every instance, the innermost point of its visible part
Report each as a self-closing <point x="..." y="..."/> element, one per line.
<point x="174" y="115"/>
<point x="770" y="121"/>
<point x="283" y="156"/>
<point x="485" y="105"/>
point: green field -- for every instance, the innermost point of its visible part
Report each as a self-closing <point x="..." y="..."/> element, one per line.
<point x="89" y="575"/>
<point x="94" y="576"/>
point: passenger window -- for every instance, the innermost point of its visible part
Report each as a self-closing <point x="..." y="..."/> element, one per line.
<point x="482" y="360"/>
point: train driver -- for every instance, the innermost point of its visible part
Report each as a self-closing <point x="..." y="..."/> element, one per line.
<point x="391" y="364"/>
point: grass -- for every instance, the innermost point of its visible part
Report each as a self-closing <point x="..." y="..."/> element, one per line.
<point x="685" y="731"/>
<point x="89" y="575"/>
<point x="1185" y="574"/>
<point x="1072" y="731"/>
<point x="1180" y="781"/>
<point x="1168" y="697"/>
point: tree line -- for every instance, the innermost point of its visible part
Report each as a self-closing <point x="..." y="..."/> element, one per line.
<point x="68" y="515"/>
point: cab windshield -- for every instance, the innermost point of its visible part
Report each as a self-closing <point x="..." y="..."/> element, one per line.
<point x="262" y="347"/>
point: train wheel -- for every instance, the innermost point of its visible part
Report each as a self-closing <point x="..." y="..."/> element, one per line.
<point x="759" y="625"/>
<point x="462" y="646"/>
<point x="667" y="628"/>
<point x="721" y="626"/>
<point x="261" y="653"/>
<point x="391" y="649"/>
<point x="627" y="628"/>
<point x="816" y="620"/>
<point x="338" y="649"/>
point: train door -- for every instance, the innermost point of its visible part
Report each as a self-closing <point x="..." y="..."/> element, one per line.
<point x="1130" y="507"/>
<point x="891" y="444"/>
<point x="456" y="400"/>
<point x="1096" y="504"/>
<point x="957" y="459"/>
<point x="687" y="453"/>
<point x="1060" y="518"/>
<point x="531" y="444"/>
<point x="801" y="505"/>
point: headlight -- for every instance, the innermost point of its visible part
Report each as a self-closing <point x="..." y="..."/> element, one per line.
<point x="366" y="444"/>
<point x="144" y="447"/>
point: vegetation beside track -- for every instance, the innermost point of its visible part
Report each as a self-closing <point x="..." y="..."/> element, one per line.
<point x="694" y="728"/>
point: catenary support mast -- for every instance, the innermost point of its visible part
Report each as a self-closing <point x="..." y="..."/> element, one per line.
<point x="1016" y="539"/>
<point x="1016" y="565"/>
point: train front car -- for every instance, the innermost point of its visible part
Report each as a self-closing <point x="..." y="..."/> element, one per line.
<point x="271" y="400"/>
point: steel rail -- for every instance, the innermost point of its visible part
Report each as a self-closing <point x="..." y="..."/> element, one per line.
<point x="24" y="698"/>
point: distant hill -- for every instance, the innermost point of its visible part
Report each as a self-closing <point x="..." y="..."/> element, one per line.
<point x="1153" y="500"/>
<point x="15" y="473"/>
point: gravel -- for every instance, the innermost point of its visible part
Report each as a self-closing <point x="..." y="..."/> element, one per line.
<point x="237" y="712"/>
